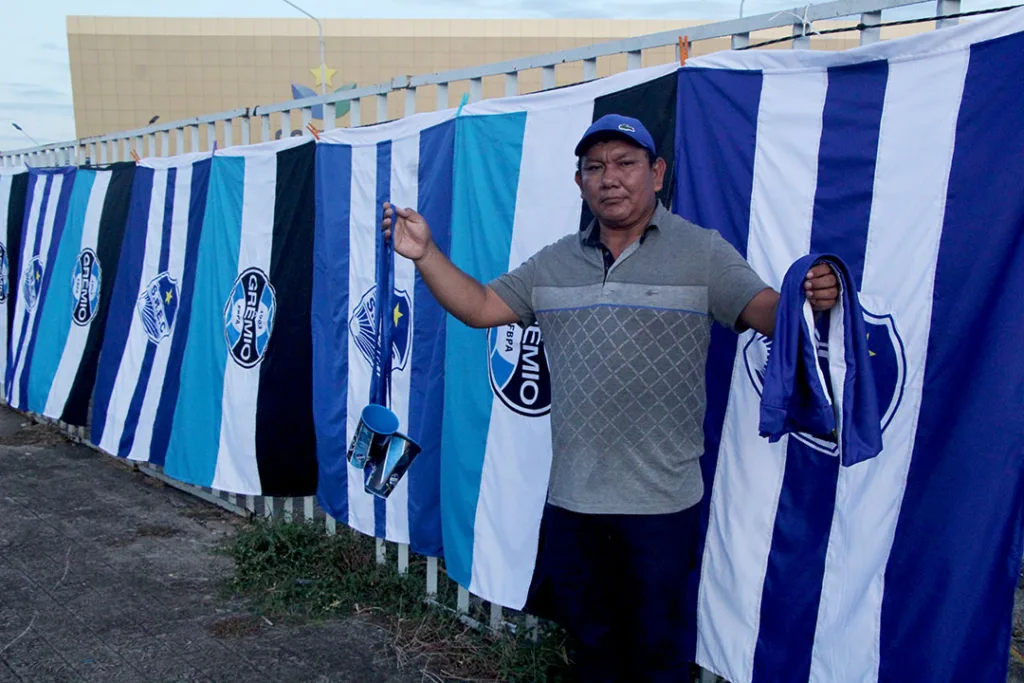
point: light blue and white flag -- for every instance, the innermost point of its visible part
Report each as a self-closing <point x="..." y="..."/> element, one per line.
<point x="243" y="420"/>
<point x="138" y="378"/>
<point x="903" y="158"/>
<point x="514" y="194"/>
<point x="74" y="309"/>
<point x="46" y="209"/>
<point x="408" y="163"/>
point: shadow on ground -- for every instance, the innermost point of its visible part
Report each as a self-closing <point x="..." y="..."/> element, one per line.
<point x="108" y="575"/>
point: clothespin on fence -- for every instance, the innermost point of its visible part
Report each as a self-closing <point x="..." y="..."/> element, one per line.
<point x="214" y="150"/>
<point x="462" y="103"/>
<point x="684" y="49"/>
<point x="314" y="130"/>
<point x="135" y="155"/>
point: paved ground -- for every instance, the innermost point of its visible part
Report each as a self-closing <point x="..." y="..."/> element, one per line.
<point x="107" y="575"/>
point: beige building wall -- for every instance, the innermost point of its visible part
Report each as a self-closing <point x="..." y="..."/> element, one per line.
<point x="126" y="70"/>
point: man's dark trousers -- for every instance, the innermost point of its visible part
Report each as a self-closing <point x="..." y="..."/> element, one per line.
<point x="619" y="585"/>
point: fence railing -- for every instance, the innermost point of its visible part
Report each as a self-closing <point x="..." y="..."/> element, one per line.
<point x="248" y="125"/>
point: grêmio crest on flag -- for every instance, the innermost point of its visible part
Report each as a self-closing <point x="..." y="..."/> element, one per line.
<point x="888" y="362"/>
<point x="363" y="327"/>
<point x="249" y="317"/>
<point x="518" y="369"/>
<point x="85" y="287"/>
<point x="157" y="306"/>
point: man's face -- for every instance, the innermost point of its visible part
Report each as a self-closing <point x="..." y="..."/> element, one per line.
<point x="618" y="182"/>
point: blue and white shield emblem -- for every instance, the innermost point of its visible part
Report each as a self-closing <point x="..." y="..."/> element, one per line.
<point x="158" y="306"/>
<point x="5" y="284"/>
<point x="888" y="362"/>
<point x="32" y="282"/>
<point x="363" y="327"/>
<point x="85" y="287"/>
<point x="249" y="317"/>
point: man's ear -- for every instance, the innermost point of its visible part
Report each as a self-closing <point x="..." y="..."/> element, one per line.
<point x="660" y="167"/>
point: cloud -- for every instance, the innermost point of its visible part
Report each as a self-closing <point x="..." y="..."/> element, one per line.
<point x="21" y="91"/>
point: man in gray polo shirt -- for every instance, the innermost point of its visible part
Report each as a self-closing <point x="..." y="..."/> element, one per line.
<point x="625" y="308"/>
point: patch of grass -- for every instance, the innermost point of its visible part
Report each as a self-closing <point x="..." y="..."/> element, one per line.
<point x="295" y="572"/>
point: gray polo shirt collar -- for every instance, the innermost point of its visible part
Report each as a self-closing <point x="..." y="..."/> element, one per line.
<point x="591" y="235"/>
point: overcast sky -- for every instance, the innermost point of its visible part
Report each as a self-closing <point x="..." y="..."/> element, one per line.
<point x="35" y="78"/>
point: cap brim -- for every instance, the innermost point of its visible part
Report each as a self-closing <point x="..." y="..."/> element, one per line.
<point x="603" y="136"/>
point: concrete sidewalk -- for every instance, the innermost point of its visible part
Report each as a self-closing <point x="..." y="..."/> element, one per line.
<point x="108" y="575"/>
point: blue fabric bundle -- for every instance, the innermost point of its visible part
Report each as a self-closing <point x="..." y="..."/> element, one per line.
<point x="824" y="389"/>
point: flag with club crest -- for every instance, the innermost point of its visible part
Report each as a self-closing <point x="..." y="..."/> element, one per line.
<point x="46" y="208"/>
<point x="243" y="420"/>
<point x="62" y="369"/>
<point x="408" y="163"/>
<point x="903" y="158"/>
<point x="514" y="193"/>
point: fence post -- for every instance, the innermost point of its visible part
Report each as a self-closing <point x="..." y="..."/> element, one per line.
<point x="307" y="508"/>
<point x="403" y="558"/>
<point x="800" y="40"/>
<point x="268" y="506"/>
<point x="442" y="96"/>
<point x="245" y="130"/>
<point x="476" y="89"/>
<point x="740" y="40"/>
<point x="289" y="504"/>
<point x="634" y="59"/>
<point x="547" y="77"/>
<point x="211" y="135"/>
<point x="431" y="576"/>
<point x="463" y="601"/>
<point x="944" y="8"/>
<point x="382" y="108"/>
<point x="495" y="616"/>
<point x="332" y="525"/>
<point x="165" y="144"/>
<point x="307" y="118"/>
<point x="229" y="134"/>
<point x="330" y="116"/>
<point x="410" y="101"/>
<point x="355" y="117"/>
<point x="512" y="84"/>
<point x="179" y="140"/>
<point x="195" y="137"/>
<point x="264" y="127"/>
<point x="590" y="69"/>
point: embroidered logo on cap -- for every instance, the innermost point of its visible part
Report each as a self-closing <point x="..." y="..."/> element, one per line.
<point x="626" y="127"/>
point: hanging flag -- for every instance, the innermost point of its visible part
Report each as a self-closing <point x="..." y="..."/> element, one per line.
<point x="46" y="208"/>
<point x="904" y="159"/>
<point x="74" y="310"/>
<point x="244" y="416"/>
<point x="13" y="190"/>
<point x="408" y="163"/>
<point x="515" y="193"/>
<point x="138" y="376"/>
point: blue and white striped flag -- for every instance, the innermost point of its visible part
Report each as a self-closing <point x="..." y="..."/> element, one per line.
<point x="73" y="312"/>
<point x="514" y="194"/>
<point x="46" y="209"/>
<point x="408" y="163"/>
<point x="904" y="158"/>
<point x="13" y="190"/>
<point x="139" y="372"/>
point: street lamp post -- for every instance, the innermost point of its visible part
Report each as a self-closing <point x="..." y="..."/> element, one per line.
<point x="320" y="30"/>
<point x="22" y="130"/>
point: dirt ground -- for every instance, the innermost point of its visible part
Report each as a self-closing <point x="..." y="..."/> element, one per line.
<point x="108" y="575"/>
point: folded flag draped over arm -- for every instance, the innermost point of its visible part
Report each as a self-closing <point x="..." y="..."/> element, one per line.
<point x="826" y="389"/>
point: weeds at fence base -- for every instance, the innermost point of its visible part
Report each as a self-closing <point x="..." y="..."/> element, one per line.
<point x="294" y="572"/>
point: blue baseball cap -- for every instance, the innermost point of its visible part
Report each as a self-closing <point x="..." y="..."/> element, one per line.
<point x="616" y="126"/>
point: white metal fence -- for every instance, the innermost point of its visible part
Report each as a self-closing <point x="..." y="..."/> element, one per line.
<point x="248" y="125"/>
